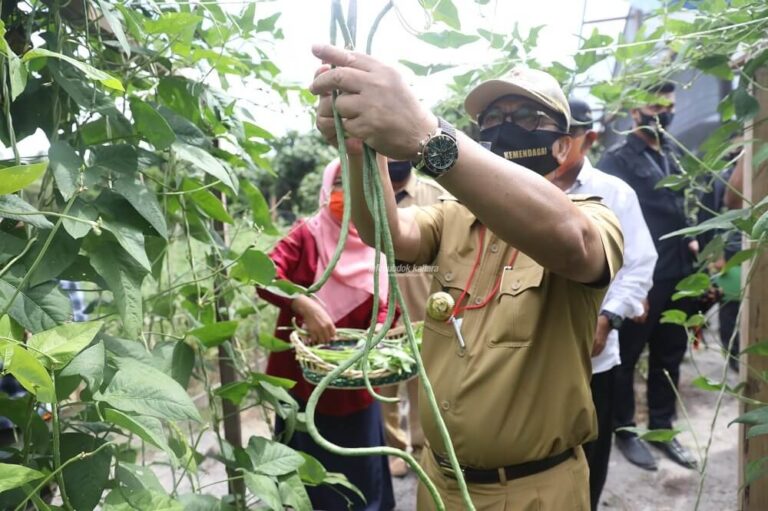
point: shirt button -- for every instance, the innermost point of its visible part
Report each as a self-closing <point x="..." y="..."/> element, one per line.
<point x="445" y="405"/>
<point x="494" y="248"/>
<point x="478" y="300"/>
<point x="516" y="285"/>
<point x="448" y="276"/>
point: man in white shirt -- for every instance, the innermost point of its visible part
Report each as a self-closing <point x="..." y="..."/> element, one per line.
<point x="626" y="295"/>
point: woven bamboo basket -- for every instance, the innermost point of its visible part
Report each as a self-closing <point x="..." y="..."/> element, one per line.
<point x="315" y="369"/>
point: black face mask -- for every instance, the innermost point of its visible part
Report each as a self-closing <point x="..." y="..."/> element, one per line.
<point x="649" y="121"/>
<point x="399" y="171"/>
<point x="531" y="149"/>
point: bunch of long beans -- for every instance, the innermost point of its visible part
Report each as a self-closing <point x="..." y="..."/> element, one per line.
<point x="374" y="197"/>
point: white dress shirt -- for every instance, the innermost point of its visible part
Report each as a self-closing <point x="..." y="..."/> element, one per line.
<point x="633" y="281"/>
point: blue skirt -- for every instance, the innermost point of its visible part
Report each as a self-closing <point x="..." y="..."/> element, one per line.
<point x="370" y="474"/>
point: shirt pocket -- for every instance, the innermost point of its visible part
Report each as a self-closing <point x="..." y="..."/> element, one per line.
<point x="520" y="307"/>
<point x="452" y="279"/>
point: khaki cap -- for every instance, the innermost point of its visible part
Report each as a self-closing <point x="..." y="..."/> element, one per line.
<point x="529" y="83"/>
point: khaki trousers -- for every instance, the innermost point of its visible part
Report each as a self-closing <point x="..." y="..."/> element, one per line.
<point x="564" y="487"/>
<point x="394" y="434"/>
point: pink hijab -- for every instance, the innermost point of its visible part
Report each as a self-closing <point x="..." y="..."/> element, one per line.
<point x="351" y="282"/>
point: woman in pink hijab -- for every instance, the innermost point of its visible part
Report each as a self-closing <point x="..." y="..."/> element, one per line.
<point x="351" y="418"/>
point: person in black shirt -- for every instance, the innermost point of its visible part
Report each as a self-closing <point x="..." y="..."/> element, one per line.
<point x="642" y="160"/>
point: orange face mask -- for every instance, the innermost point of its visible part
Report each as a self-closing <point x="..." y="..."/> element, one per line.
<point x="336" y="205"/>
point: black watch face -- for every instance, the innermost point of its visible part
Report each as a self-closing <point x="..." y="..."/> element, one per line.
<point x="441" y="153"/>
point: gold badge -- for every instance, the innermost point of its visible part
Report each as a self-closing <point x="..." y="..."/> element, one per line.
<point x="440" y="306"/>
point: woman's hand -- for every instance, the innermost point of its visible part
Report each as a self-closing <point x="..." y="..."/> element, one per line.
<point x="316" y="320"/>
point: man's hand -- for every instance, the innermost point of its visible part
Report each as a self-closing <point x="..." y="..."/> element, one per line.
<point x="602" y="330"/>
<point x="693" y="246"/>
<point x="376" y="105"/>
<point x="641" y="318"/>
<point x="326" y="124"/>
<point x="316" y="320"/>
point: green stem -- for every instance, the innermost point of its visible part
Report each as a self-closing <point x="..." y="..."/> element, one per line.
<point x="44" y="481"/>
<point x="5" y="67"/>
<point x="56" y="432"/>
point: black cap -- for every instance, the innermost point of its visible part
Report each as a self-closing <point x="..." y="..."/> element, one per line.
<point x="581" y="114"/>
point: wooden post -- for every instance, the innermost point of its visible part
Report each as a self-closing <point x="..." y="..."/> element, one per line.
<point x="754" y="324"/>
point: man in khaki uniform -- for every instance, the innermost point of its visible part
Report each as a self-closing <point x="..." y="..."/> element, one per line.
<point x="526" y="266"/>
<point x="410" y="190"/>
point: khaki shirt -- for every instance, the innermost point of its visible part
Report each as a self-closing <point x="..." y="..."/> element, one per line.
<point x="520" y="391"/>
<point x="414" y="285"/>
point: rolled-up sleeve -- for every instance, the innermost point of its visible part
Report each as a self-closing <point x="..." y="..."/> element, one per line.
<point x="610" y="231"/>
<point x="429" y="220"/>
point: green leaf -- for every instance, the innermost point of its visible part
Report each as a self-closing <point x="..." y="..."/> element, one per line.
<point x="85" y="211"/>
<point x="114" y="24"/>
<point x="143" y="201"/>
<point x="89" y="71"/>
<point x="65" y="165"/>
<point x="267" y="24"/>
<point x="203" y="161"/>
<point x="286" y="289"/>
<point x="262" y="216"/>
<point x="179" y="25"/>
<point x="10" y="246"/>
<point x="340" y="479"/>
<point x="182" y="363"/>
<point x="673" y="182"/>
<point x="705" y="383"/>
<point x="142" y="389"/>
<point x="196" y="502"/>
<point x="13" y="207"/>
<point x="151" y="125"/>
<point x="18" y="177"/>
<point x="293" y="493"/>
<point x="753" y="418"/>
<point x="312" y="471"/>
<point x="206" y="201"/>
<point x="116" y="158"/>
<point x="28" y="371"/>
<point x="182" y="96"/>
<point x="124" y="277"/>
<point x="448" y="39"/>
<point x="87" y="477"/>
<point x="254" y="266"/>
<point x="758" y="348"/>
<point x="17" y="411"/>
<point x="284" y="383"/>
<point x="745" y="105"/>
<point x="125" y="499"/>
<point x="265" y="489"/>
<point x="654" y="435"/>
<point x="588" y="56"/>
<point x="693" y="285"/>
<point x="36" y="308"/>
<point x="754" y="431"/>
<point x="61" y="253"/>
<point x="272" y="458"/>
<point x="185" y="130"/>
<point x="673" y="316"/>
<point x="755" y="469"/>
<point x="14" y="476"/>
<point x="149" y="429"/>
<point x="214" y="334"/>
<point x="137" y="477"/>
<point x="715" y="65"/>
<point x="427" y="70"/>
<point x="89" y="365"/>
<point x="55" y="348"/>
<point x="761" y="226"/>
<point x="446" y="12"/>
<point x="272" y="343"/>
<point x="234" y="392"/>
<point x="131" y="239"/>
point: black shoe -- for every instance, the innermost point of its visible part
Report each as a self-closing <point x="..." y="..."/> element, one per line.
<point x="676" y="453"/>
<point x="636" y="451"/>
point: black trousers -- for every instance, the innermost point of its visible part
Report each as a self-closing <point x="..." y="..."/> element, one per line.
<point x="667" y="344"/>
<point x="598" y="452"/>
<point x="728" y="315"/>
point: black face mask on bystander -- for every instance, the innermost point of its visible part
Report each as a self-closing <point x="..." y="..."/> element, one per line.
<point x="531" y="149"/>
<point x="399" y="171"/>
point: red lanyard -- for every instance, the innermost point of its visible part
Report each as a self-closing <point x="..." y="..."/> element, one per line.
<point x="457" y="309"/>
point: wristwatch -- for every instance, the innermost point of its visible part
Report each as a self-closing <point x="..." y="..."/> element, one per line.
<point x="439" y="151"/>
<point x="613" y="319"/>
